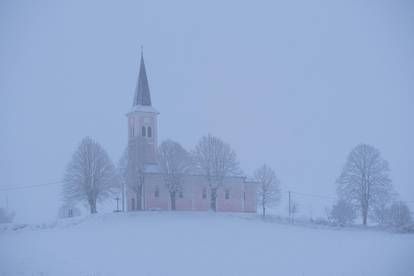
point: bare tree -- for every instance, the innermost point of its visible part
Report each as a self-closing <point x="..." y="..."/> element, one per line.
<point x="174" y="163"/>
<point x="398" y="214"/>
<point x="134" y="173"/>
<point x="379" y="212"/>
<point x="364" y="181"/>
<point x="342" y="213"/>
<point x="216" y="160"/>
<point x="68" y="211"/>
<point x="90" y="176"/>
<point x="6" y="216"/>
<point x="268" y="191"/>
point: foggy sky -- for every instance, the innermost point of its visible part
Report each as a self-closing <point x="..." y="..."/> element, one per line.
<point x="294" y="84"/>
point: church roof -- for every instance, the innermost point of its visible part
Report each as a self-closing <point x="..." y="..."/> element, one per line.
<point x="142" y="92"/>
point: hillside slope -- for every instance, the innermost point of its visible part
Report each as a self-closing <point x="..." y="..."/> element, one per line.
<point x="200" y="244"/>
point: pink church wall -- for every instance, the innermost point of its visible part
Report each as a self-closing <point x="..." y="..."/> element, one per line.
<point x="200" y="203"/>
<point x="234" y="202"/>
<point x="184" y="204"/>
<point x="156" y="203"/>
<point x="152" y="202"/>
<point x="242" y="195"/>
<point x="250" y="202"/>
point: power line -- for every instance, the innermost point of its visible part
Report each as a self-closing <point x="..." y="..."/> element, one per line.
<point x="30" y="186"/>
<point x="293" y="192"/>
<point x="328" y="197"/>
<point x="311" y="195"/>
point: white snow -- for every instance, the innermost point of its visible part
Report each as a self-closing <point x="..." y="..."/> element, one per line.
<point x="156" y="243"/>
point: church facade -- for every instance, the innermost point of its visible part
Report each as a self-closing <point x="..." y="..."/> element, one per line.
<point x="235" y="195"/>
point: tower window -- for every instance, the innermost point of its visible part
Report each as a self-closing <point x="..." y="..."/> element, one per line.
<point x="149" y="131"/>
<point x="143" y="131"/>
<point x="157" y="192"/>
<point x="204" y="193"/>
<point x="227" y="194"/>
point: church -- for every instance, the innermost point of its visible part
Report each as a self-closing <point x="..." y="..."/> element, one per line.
<point x="235" y="195"/>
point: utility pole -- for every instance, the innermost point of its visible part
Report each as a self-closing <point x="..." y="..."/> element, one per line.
<point x="290" y="207"/>
<point x="123" y="196"/>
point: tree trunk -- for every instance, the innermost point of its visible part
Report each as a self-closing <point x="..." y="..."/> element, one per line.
<point x="92" y="205"/>
<point x="139" y="198"/>
<point x="264" y="205"/>
<point x="364" y="216"/>
<point x="172" y="197"/>
<point x="213" y="202"/>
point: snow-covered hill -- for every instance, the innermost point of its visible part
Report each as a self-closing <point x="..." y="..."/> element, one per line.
<point x="200" y="244"/>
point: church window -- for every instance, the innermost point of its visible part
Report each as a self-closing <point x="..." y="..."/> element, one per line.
<point x="157" y="192"/>
<point x="143" y="130"/>
<point x="204" y="193"/>
<point x="149" y="131"/>
<point x="227" y="194"/>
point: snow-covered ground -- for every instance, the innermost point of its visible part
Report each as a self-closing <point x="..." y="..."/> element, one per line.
<point x="153" y="243"/>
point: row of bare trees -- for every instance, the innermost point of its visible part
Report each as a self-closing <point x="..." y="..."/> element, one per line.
<point x="91" y="176"/>
<point x="364" y="185"/>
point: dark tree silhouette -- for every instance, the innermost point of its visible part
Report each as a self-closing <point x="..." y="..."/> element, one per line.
<point x="268" y="191"/>
<point x="364" y="181"/>
<point x="90" y="176"/>
<point x="174" y="163"/>
<point x="216" y="160"/>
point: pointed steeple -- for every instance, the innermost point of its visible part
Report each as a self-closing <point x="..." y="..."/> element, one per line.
<point x="142" y="92"/>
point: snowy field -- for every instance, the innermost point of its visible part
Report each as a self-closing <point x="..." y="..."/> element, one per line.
<point x="200" y="244"/>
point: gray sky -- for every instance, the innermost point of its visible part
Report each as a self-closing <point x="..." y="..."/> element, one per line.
<point x="295" y="84"/>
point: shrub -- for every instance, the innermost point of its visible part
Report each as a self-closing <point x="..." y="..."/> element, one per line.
<point x="6" y="216"/>
<point x="342" y="213"/>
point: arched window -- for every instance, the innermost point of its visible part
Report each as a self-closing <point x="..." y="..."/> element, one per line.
<point x="227" y="194"/>
<point x="204" y="193"/>
<point x="149" y="131"/>
<point x="157" y="192"/>
<point x="143" y="131"/>
<point x="181" y="193"/>
<point x="132" y="203"/>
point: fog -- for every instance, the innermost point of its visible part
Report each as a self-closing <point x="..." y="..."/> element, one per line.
<point x="295" y="85"/>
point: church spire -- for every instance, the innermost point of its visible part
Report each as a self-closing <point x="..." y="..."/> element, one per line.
<point x="142" y="92"/>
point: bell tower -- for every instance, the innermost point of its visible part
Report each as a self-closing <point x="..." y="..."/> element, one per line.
<point x="142" y="118"/>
